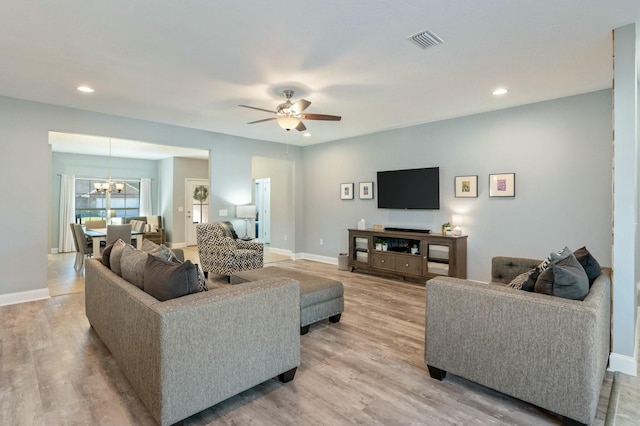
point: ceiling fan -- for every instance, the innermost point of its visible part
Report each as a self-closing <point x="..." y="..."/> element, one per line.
<point x="290" y="115"/>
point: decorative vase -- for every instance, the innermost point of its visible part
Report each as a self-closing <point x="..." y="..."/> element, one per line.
<point x="378" y="246"/>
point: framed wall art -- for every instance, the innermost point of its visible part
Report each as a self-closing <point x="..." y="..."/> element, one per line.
<point x="366" y="190"/>
<point x="466" y="186"/>
<point x="346" y="191"/>
<point x="502" y="185"/>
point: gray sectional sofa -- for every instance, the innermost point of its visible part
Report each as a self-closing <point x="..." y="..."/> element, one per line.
<point x="548" y="351"/>
<point x="186" y="354"/>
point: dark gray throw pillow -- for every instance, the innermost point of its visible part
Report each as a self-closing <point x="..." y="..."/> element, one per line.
<point x="166" y="280"/>
<point x="566" y="279"/>
<point x="589" y="263"/>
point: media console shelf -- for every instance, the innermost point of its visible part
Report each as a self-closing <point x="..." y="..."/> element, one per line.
<point x="409" y="254"/>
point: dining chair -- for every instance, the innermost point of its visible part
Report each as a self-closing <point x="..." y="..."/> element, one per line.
<point x="119" y="231"/>
<point x="85" y="248"/>
<point x="95" y="224"/>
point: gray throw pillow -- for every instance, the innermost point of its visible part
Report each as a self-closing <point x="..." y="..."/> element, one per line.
<point x="589" y="263"/>
<point x="167" y="280"/>
<point x="553" y="258"/>
<point x="565" y="279"/>
<point x="116" y="254"/>
<point x="132" y="265"/>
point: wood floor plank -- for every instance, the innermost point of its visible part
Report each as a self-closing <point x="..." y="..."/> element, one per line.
<point x="367" y="369"/>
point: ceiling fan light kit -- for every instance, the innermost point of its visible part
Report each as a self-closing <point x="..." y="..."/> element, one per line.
<point x="289" y="115"/>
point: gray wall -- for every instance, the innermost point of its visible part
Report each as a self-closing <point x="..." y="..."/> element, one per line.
<point x="26" y="164"/>
<point x="97" y="166"/>
<point x="561" y="154"/>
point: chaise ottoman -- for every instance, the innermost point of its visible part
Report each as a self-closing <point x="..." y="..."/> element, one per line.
<point x="320" y="297"/>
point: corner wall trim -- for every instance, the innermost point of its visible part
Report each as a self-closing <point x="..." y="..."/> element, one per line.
<point x="24" y="296"/>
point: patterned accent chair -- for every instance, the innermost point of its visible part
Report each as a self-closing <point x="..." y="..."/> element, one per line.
<point x="223" y="254"/>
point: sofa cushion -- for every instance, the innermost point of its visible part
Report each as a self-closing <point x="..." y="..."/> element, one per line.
<point x="116" y="255"/>
<point x="589" y="263"/>
<point x="166" y="280"/>
<point x="566" y="279"/>
<point x="132" y="265"/>
<point x="553" y="258"/>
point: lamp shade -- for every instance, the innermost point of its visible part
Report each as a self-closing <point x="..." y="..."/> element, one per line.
<point x="246" y="212"/>
<point x="288" y="122"/>
<point x="456" y="221"/>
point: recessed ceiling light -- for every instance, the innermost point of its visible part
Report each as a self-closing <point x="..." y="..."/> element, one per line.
<point x="306" y="135"/>
<point x="85" y="89"/>
<point x="500" y="91"/>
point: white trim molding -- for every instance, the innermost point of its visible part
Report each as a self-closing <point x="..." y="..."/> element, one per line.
<point x="317" y="258"/>
<point x="281" y="252"/>
<point x="623" y="363"/>
<point x="24" y="296"/>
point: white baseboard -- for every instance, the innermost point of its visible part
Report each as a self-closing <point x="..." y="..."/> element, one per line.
<point x="55" y="250"/>
<point x="623" y="363"/>
<point x="317" y="258"/>
<point x="24" y="296"/>
<point x="282" y="252"/>
<point x="177" y="245"/>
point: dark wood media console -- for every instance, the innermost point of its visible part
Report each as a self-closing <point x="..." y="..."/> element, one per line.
<point x="413" y="255"/>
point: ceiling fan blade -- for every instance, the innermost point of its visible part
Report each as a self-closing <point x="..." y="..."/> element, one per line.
<point x="259" y="109"/>
<point x="299" y="106"/>
<point x="262" y="121"/>
<point x="301" y="127"/>
<point x="321" y="117"/>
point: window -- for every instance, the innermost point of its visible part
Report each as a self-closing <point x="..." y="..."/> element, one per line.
<point x="93" y="205"/>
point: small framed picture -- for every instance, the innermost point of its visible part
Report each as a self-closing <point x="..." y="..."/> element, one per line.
<point x="366" y="190"/>
<point x="346" y="191"/>
<point x="466" y="186"/>
<point x="502" y="185"/>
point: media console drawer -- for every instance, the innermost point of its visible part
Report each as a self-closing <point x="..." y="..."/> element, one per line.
<point x="383" y="261"/>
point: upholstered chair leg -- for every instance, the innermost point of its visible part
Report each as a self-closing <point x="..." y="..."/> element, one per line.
<point x="436" y="373"/>
<point x="287" y="376"/>
<point x="335" y="318"/>
<point x="570" y="422"/>
<point x="304" y="330"/>
<point x="206" y="274"/>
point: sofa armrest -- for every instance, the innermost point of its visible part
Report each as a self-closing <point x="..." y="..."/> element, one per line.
<point x="250" y="245"/>
<point x="545" y="350"/>
<point x="504" y="269"/>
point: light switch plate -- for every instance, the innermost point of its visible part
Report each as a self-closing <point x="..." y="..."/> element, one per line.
<point x="222" y="212"/>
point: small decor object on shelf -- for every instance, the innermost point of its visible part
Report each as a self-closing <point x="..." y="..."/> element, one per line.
<point x="502" y="185"/>
<point x="466" y="186"/>
<point x="446" y="228"/>
<point x="384" y="246"/>
<point x="414" y="249"/>
<point x="378" y="227"/>
<point x="366" y="190"/>
<point x="379" y="244"/>
<point x="346" y="191"/>
<point x="362" y="224"/>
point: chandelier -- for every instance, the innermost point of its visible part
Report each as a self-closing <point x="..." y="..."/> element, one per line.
<point x="108" y="186"/>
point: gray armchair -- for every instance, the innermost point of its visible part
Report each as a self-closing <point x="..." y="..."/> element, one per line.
<point x="220" y="253"/>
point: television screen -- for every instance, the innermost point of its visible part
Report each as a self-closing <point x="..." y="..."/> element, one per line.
<point x="409" y="189"/>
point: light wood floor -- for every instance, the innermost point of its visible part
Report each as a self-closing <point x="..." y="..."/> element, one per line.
<point x="367" y="369"/>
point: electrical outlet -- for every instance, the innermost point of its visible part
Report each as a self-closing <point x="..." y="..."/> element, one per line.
<point x="222" y="212"/>
<point x="321" y="241"/>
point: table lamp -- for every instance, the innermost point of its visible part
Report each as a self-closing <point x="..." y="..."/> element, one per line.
<point x="456" y="221"/>
<point x="246" y="212"/>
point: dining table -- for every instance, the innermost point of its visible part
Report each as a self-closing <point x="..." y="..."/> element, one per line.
<point x="100" y="234"/>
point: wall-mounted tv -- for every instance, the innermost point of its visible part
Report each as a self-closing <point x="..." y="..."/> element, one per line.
<point x="409" y="189"/>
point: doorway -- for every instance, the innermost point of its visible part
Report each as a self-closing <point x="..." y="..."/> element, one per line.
<point x="197" y="202"/>
<point x="262" y="195"/>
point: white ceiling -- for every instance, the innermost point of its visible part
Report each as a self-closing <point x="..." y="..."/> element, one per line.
<point x="190" y="63"/>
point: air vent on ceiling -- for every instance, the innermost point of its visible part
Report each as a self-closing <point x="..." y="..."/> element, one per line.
<point x="426" y="39"/>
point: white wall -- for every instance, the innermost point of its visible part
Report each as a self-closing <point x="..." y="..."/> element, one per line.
<point x="561" y="154"/>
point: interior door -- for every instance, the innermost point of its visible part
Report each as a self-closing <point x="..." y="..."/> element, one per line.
<point x="197" y="202"/>
<point x="263" y="206"/>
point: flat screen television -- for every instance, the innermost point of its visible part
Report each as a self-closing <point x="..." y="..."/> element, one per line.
<point x="409" y="189"/>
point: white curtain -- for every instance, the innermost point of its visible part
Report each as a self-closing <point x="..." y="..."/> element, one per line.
<point x="145" y="197"/>
<point x="67" y="213"/>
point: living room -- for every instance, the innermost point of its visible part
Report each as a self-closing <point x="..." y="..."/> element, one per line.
<point x="559" y="149"/>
